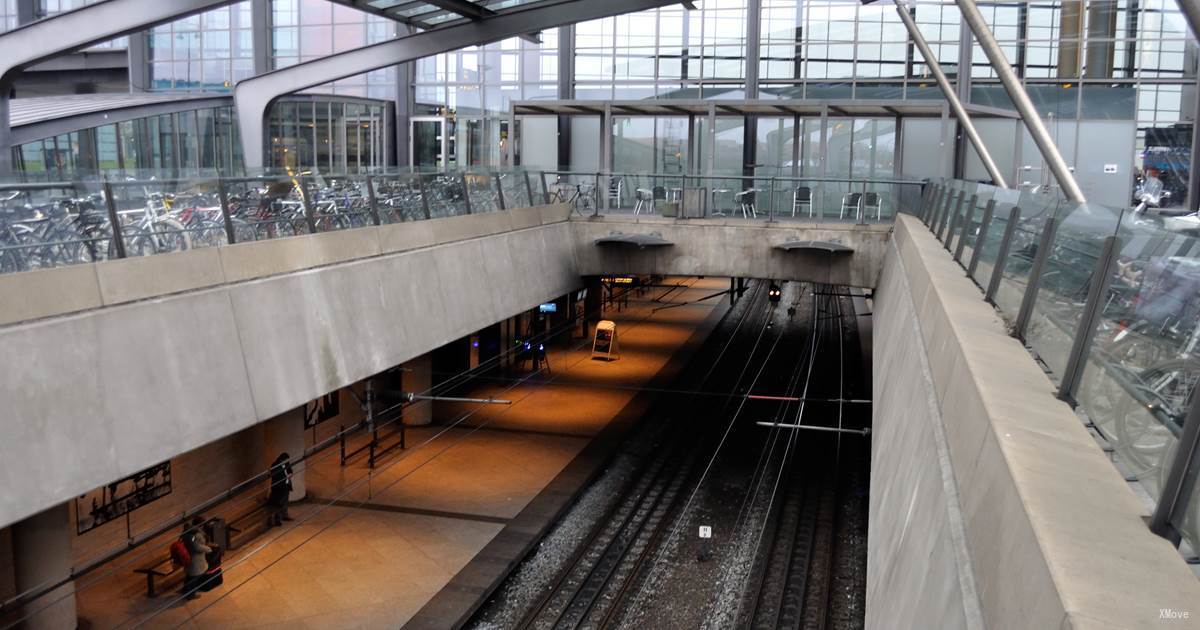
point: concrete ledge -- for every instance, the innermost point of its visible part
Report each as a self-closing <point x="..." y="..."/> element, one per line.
<point x="733" y="247"/>
<point x="398" y="237"/>
<point x="131" y="279"/>
<point x="45" y="292"/>
<point x="344" y="245"/>
<point x="157" y="377"/>
<point x="49" y="292"/>
<point x="1053" y="536"/>
<point x="244" y="261"/>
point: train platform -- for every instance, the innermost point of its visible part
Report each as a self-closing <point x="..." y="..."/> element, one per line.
<point x="432" y="528"/>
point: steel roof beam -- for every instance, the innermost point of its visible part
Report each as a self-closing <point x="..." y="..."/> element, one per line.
<point x="253" y="96"/>
<point x="38" y="41"/>
<point x="964" y="118"/>
<point x="1020" y="98"/>
<point x="45" y="39"/>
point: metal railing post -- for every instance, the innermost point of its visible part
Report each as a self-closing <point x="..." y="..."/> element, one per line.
<point x="942" y="208"/>
<point x="310" y="219"/>
<point x="546" y="189"/>
<point x="462" y="177"/>
<point x="424" y="195"/>
<point x="946" y="229"/>
<point x="771" y="203"/>
<point x="118" y="235"/>
<point x="861" y="219"/>
<point x="1035" y="278"/>
<point x="596" y="212"/>
<point x="943" y="212"/>
<point x="1014" y="215"/>
<point x="373" y="203"/>
<point x="499" y="192"/>
<point x="1081" y="345"/>
<point x="966" y="226"/>
<point x="930" y="199"/>
<point x="981" y="237"/>
<point x="528" y="188"/>
<point x="223" y="199"/>
<point x="1176" y="493"/>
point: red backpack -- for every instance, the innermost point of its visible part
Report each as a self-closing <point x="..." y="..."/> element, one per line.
<point x="180" y="556"/>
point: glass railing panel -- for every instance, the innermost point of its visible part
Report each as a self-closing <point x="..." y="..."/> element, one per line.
<point x="1035" y="209"/>
<point x="794" y="199"/>
<point x="580" y="190"/>
<point x="399" y="197"/>
<point x="1066" y="278"/>
<point x="517" y="189"/>
<point x="446" y="194"/>
<point x="162" y="216"/>
<point x="339" y="202"/>
<point x="263" y="208"/>
<point x="1006" y="200"/>
<point x="52" y="225"/>
<point x="482" y="190"/>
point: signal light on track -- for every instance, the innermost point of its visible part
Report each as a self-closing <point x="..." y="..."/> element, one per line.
<point x="774" y="293"/>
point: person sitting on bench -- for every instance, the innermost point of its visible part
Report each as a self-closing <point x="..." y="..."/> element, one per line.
<point x="281" y="489"/>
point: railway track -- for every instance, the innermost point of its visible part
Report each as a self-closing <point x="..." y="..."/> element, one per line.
<point x="615" y="573"/>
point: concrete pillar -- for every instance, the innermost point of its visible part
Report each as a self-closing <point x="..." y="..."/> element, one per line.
<point x="418" y="378"/>
<point x="592" y="304"/>
<point x="41" y="549"/>
<point x="285" y="434"/>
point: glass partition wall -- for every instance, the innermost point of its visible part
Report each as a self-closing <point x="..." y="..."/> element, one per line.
<point x="1109" y="301"/>
<point x="317" y="134"/>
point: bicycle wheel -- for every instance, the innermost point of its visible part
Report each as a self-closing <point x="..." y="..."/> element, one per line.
<point x="1162" y="394"/>
<point x="170" y="236"/>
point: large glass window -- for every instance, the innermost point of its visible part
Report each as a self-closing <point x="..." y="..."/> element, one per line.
<point x="308" y="29"/>
<point x="210" y="51"/>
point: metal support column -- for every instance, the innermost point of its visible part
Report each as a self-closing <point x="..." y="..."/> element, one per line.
<point x="606" y="160"/>
<point x="1020" y="99"/>
<point x="960" y="112"/>
<point x="1193" y="191"/>
<point x="1014" y="216"/>
<point x="1081" y="345"/>
<point x="818" y="202"/>
<point x="1035" y="278"/>
<point x="260" y="34"/>
<point x="1191" y="12"/>
<point x="566" y="91"/>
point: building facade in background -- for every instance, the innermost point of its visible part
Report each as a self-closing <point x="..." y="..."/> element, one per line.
<point x="1123" y="71"/>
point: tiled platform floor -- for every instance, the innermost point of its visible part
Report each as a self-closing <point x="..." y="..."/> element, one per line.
<point x="368" y="551"/>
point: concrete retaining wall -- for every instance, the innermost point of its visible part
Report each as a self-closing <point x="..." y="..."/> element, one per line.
<point x="96" y="395"/>
<point x="991" y="506"/>
<point x="733" y="247"/>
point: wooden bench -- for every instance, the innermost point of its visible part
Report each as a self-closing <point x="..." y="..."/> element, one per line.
<point x="237" y="531"/>
<point x="249" y="525"/>
<point x="159" y="568"/>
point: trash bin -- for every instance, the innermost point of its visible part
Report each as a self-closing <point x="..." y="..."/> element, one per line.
<point x="670" y="209"/>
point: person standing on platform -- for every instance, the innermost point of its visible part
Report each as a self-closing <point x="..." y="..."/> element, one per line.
<point x="281" y="489"/>
<point x="198" y="550"/>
